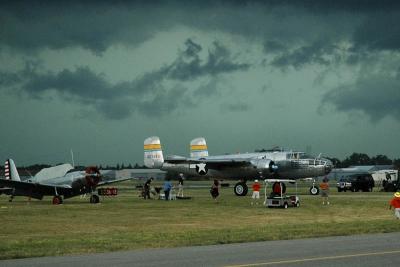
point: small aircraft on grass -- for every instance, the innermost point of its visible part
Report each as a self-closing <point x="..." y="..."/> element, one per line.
<point x="274" y="164"/>
<point x="61" y="182"/>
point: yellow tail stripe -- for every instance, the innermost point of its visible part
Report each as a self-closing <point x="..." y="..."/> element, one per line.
<point x="152" y="146"/>
<point x="198" y="147"/>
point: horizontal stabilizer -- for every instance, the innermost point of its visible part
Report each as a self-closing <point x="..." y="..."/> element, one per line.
<point x="175" y="157"/>
<point x="52" y="172"/>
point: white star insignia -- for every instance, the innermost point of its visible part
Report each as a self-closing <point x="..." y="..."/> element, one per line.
<point x="201" y="168"/>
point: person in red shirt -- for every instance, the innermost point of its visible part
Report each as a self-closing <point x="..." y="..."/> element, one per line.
<point x="324" y="191"/>
<point x="395" y="203"/>
<point x="256" y="192"/>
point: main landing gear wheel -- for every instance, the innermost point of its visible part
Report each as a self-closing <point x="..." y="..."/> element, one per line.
<point x="240" y="189"/>
<point x="314" y="190"/>
<point x="57" y="200"/>
<point x="94" y="199"/>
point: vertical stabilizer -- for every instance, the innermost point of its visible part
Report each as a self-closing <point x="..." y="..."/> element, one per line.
<point x="153" y="156"/>
<point x="198" y="148"/>
<point x="11" y="171"/>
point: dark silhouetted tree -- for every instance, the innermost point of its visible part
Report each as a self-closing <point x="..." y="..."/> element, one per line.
<point x="357" y="159"/>
<point x="381" y="160"/>
<point x="396" y="163"/>
<point x="336" y="162"/>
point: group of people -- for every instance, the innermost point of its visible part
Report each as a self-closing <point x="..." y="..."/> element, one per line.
<point x="393" y="203"/>
<point x="167" y="188"/>
<point x="214" y="191"/>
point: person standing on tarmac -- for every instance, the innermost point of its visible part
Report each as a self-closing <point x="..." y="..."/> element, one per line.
<point x="180" y="185"/>
<point x="256" y="192"/>
<point x="324" y="186"/>
<point x="147" y="188"/>
<point x="395" y="203"/>
<point x="214" y="191"/>
<point x="167" y="188"/>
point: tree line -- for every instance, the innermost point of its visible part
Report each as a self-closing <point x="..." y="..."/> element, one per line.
<point x="353" y="159"/>
<point x="364" y="159"/>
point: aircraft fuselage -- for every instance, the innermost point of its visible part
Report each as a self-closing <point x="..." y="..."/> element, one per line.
<point x="288" y="166"/>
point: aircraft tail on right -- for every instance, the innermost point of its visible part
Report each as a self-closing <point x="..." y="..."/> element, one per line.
<point x="198" y="148"/>
<point x="11" y="172"/>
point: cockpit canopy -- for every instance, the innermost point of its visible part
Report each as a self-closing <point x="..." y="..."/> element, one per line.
<point x="298" y="155"/>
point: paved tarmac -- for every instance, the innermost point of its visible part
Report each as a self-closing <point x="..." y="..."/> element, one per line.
<point x="360" y="250"/>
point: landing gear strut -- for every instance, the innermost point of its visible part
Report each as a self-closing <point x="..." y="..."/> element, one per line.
<point x="314" y="190"/>
<point x="94" y="199"/>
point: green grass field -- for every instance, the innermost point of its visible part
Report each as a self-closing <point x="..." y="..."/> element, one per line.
<point x="128" y="222"/>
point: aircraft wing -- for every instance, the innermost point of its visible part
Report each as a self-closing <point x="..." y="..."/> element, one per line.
<point x="111" y="181"/>
<point x="214" y="163"/>
<point x="43" y="189"/>
<point x="5" y="190"/>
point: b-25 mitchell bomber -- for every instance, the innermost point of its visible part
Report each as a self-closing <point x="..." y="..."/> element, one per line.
<point x="61" y="182"/>
<point x="266" y="165"/>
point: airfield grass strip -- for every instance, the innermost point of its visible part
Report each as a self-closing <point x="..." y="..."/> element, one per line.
<point x="34" y="247"/>
<point x="128" y="222"/>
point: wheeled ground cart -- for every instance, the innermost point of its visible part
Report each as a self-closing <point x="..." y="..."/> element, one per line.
<point x="277" y="197"/>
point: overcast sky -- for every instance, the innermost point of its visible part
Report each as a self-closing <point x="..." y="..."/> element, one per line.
<point x="100" y="77"/>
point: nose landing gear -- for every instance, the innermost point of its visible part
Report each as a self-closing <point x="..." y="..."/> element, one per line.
<point x="314" y="190"/>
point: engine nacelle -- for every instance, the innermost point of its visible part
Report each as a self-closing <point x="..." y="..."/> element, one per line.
<point x="92" y="176"/>
<point x="265" y="165"/>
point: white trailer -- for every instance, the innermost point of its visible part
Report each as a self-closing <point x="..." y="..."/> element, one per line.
<point x="384" y="175"/>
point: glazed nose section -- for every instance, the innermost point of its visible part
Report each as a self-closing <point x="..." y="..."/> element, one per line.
<point x="328" y="166"/>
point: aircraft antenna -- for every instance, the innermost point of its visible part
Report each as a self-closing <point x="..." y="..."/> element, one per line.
<point x="72" y="157"/>
<point x="30" y="174"/>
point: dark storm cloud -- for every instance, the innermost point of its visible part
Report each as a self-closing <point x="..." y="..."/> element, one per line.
<point x="147" y="94"/>
<point x="207" y="89"/>
<point x="114" y="109"/>
<point x="34" y="25"/>
<point x="190" y="66"/>
<point x="71" y="83"/>
<point x="340" y="5"/>
<point x="377" y="95"/>
<point x="9" y="79"/>
<point x="272" y="46"/>
<point x="163" y="102"/>
<point x="293" y="34"/>
<point x="379" y="32"/>
<point x="316" y="53"/>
